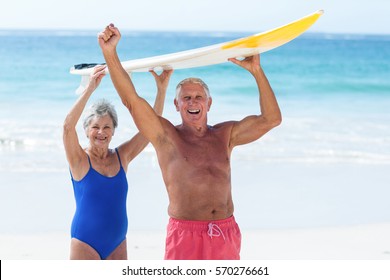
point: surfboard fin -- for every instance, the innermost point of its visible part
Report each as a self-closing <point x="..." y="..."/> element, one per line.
<point x="85" y="80"/>
<point x="83" y="84"/>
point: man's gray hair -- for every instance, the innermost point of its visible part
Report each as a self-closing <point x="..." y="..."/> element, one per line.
<point x="99" y="109"/>
<point x="193" y="81"/>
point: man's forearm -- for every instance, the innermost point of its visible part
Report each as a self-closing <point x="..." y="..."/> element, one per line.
<point x="268" y="104"/>
<point x="121" y="80"/>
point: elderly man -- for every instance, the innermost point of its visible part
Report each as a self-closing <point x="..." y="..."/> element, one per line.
<point x="194" y="156"/>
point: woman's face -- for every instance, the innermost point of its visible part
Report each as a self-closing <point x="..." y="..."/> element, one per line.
<point x="100" y="131"/>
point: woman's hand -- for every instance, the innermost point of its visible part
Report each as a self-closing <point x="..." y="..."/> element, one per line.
<point x="162" y="80"/>
<point x="96" y="77"/>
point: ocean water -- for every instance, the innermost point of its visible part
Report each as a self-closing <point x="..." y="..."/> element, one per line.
<point x="333" y="90"/>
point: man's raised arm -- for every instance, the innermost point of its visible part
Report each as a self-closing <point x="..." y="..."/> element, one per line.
<point x="145" y="118"/>
<point x="253" y="127"/>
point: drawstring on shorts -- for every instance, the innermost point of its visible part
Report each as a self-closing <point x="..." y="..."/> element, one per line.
<point x="215" y="230"/>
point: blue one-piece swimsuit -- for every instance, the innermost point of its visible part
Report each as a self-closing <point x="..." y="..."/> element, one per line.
<point x="101" y="218"/>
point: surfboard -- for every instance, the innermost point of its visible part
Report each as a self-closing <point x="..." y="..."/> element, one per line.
<point x="214" y="54"/>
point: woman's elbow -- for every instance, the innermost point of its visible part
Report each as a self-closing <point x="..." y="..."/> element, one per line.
<point x="67" y="126"/>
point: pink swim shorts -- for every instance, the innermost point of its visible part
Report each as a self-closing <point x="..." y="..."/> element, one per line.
<point x="203" y="240"/>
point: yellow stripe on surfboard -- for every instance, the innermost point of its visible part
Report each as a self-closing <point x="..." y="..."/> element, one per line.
<point x="277" y="36"/>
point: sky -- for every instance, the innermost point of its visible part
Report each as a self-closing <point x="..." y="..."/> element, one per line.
<point x="341" y="16"/>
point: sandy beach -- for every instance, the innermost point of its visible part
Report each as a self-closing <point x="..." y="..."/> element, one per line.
<point x="366" y="242"/>
<point x="305" y="219"/>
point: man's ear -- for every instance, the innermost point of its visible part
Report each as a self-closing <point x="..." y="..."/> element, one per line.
<point x="210" y="101"/>
<point x="176" y="104"/>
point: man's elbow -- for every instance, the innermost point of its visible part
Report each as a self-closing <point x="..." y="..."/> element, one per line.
<point x="126" y="103"/>
<point x="130" y="102"/>
<point x="278" y="120"/>
<point x="275" y="121"/>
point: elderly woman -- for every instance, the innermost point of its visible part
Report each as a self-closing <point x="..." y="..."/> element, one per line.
<point x="98" y="174"/>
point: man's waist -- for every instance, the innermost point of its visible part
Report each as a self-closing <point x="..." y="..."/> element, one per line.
<point x="204" y="225"/>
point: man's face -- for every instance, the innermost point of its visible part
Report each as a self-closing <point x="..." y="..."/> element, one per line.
<point x="193" y="103"/>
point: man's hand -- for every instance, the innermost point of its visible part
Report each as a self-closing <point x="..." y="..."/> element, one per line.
<point x="108" y="39"/>
<point x="250" y="63"/>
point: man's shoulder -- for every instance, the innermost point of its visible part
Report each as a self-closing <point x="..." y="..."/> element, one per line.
<point x="166" y="122"/>
<point x="224" y="125"/>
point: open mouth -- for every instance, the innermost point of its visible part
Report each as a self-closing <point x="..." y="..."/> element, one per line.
<point x="194" y="111"/>
<point x="101" y="138"/>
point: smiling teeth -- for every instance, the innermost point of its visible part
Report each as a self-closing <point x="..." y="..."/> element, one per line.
<point x="194" y="111"/>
